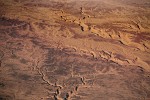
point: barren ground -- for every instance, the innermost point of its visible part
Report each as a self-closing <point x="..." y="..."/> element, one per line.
<point x="74" y="50"/>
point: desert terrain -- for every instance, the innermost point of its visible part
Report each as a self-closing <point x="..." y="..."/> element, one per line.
<point x="74" y="49"/>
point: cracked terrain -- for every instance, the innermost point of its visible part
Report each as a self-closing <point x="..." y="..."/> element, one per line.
<point x="74" y="50"/>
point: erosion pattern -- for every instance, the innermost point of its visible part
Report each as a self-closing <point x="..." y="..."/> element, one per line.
<point x="74" y="50"/>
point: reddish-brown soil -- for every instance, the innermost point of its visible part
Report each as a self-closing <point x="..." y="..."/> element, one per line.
<point x="74" y="50"/>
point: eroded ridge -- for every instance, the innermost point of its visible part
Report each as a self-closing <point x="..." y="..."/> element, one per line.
<point x="34" y="72"/>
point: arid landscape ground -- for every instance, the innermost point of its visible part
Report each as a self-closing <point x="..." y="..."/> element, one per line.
<point x="74" y="49"/>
